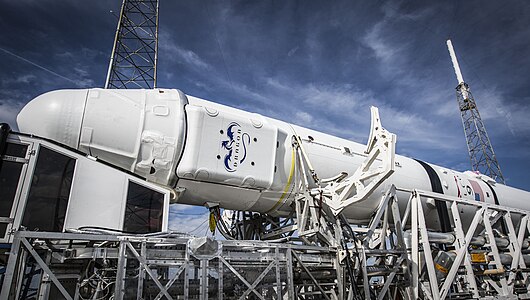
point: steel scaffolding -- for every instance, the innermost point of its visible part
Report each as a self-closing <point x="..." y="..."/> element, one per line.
<point x="394" y="257"/>
<point x="133" y="61"/>
<point x="101" y="266"/>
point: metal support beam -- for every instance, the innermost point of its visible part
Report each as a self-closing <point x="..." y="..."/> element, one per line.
<point x="311" y="276"/>
<point x="427" y="249"/>
<point x="145" y="266"/>
<point x="495" y="252"/>
<point x="461" y="253"/>
<point x="8" y="291"/>
<point x="252" y="288"/>
<point x="376" y="252"/>
<point x="290" y="279"/>
<point x="46" y="269"/>
<point x="235" y="272"/>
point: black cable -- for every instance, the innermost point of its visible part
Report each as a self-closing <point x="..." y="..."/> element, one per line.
<point x="349" y="263"/>
<point x="349" y="268"/>
<point x="220" y="220"/>
<point x="102" y="228"/>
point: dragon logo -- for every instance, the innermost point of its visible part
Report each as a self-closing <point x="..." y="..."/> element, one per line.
<point x="236" y="145"/>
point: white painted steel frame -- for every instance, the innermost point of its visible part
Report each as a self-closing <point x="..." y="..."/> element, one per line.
<point x="486" y="215"/>
<point x="123" y="249"/>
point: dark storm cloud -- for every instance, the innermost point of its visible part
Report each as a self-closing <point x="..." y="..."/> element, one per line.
<point x="319" y="64"/>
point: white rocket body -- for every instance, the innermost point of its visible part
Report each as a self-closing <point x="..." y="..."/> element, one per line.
<point x="241" y="160"/>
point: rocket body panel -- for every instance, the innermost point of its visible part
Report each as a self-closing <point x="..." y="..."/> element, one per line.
<point x="512" y="197"/>
<point x="241" y="160"/>
<point x="234" y="150"/>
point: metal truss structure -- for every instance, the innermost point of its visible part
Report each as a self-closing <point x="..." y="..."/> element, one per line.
<point x="485" y="263"/>
<point x="133" y="61"/>
<point x="99" y="266"/>
<point x="393" y="257"/>
<point x="481" y="153"/>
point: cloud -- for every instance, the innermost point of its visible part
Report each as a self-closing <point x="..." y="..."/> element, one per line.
<point x="395" y="55"/>
<point x="391" y="55"/>
<point x="393" y="11"/>
<point x="496" y="110"/>
<point x="293" y="51"/>
<point x="343" y="110"/>
<point x="374" y="40"/>
<point x="83" y="76"/>
<point x="303" y="117"/>
<point x="25" y="78"/>
<point x="188" y="219"/>
<point x="171" y="50"/>
<point x="9" y="111"/>
<point x="340" y="99"/>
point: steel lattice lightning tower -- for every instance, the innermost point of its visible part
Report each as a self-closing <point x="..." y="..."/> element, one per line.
<point x="134" y="55"/>
<point x="481" y="153"/>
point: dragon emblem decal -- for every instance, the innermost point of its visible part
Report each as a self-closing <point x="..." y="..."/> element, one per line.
<point x="236" y="146"/>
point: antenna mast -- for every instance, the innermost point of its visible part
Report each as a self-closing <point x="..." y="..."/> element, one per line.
<point x="134" y="56"/>
<point x="481" y="153"/>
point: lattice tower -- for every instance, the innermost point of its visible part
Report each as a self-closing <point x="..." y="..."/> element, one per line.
<point x="481" y="152"/>
<point x="134" y="56"/>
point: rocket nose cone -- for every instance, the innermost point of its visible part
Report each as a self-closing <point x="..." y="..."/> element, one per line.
<point x="55" y="115"/>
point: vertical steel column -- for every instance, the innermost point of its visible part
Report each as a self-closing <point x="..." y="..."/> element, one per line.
<point x="204" y="280"/>
<point x="220" y="283"/>
<point x="415" y="256"/>
<point x="514" y="249"/>
<point x="12" y="264"/>
<point x="45" y="282"/>
<point x="461" y="254"/>
<point x="23" y="256"/>
<point x="120" y="271"/>
<point x="290" y="279"/>
<point x="187" y="274"/>
<point x="340" y="276"/>
<point x="520" y="238"/>
<point x="141" y="273"/>
<point x="461" y="242"/>
<point x="495" y="251"/>
<point x="427" y="253"/>
<point x="278" y="278"/>
<point x="221" y="274"/>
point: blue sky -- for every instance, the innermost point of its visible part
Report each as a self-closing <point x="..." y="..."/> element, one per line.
<point x="319" y="64"/>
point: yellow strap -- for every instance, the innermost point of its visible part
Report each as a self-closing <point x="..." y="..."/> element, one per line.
<point x="291" y="175"/>
<point x="440" y="268"/>
<point x="212" y="222"/>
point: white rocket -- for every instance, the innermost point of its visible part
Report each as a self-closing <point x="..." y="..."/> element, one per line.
<point x="215" y="153"/>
